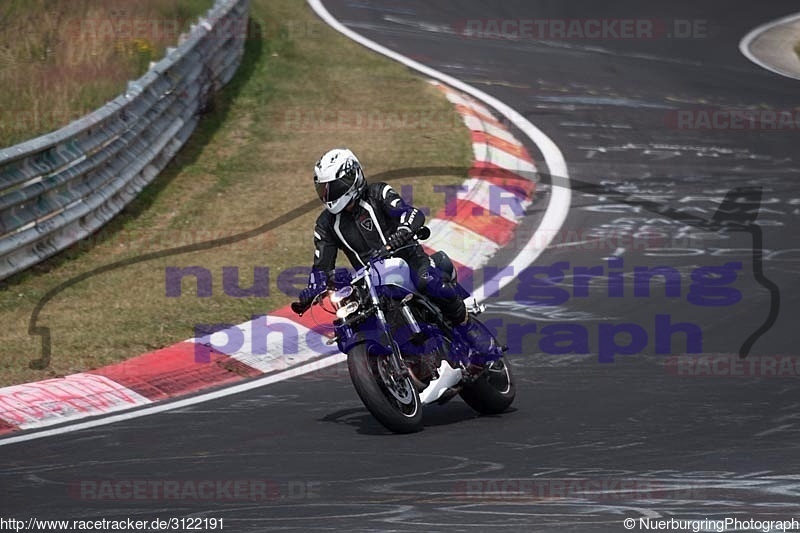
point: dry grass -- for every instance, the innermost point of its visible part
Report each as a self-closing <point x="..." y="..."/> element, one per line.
<point x="797" y="49"/>
<point x="244" y="166"/>
<point x="60" y="59"/>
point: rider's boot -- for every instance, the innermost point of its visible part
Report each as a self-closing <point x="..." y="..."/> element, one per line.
<point x="483" y="348"/>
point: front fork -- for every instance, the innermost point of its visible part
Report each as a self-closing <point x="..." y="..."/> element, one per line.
<point x="398" y="366"/>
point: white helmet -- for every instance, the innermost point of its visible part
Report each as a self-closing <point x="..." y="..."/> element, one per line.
<point x="338" y="179"/>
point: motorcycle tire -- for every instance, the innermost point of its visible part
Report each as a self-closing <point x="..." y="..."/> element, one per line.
<point x="395" y="405"/>
<point x="494" y="391"/>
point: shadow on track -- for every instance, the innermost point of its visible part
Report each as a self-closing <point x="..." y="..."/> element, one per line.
<point x="435" y="415"/>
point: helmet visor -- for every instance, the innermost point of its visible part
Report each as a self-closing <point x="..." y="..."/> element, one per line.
<point x="331" y="191"/>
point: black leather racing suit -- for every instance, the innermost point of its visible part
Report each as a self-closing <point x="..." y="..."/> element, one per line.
<point x="375" y="217"/>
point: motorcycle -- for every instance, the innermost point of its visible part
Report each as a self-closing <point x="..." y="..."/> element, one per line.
<point x="402" y="353"/>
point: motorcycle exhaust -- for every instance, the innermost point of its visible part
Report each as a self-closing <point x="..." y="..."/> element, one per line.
<point x="442" y="388"/>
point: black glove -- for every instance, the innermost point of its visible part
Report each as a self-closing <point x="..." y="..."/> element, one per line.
<point x="317" y="283"/>
<point x="400" y="237"/>
<point x="307" y="296"/>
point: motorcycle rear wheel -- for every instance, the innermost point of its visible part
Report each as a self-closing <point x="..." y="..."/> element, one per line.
<point x="392" y="400"/>
<point x="494" y="391"/>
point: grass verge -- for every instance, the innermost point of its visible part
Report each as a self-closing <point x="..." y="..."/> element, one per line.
<point x="797" y="49"/>
<point x="60" y="59"/>
<point x="302" y="88"/>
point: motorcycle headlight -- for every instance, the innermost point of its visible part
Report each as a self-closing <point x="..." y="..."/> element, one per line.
<point x="341" y="294"/>
<point x="347" y="310"/>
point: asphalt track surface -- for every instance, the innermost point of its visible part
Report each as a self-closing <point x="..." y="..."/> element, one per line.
<point x="686" y="447"/>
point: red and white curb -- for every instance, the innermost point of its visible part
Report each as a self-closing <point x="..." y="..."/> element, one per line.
<point x="478" y="222"/>
<point x="483" y="216"/>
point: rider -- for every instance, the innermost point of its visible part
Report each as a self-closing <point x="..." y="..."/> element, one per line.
<point x="360" y="218"/>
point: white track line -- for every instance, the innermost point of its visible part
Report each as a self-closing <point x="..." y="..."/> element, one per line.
<point x="747" y="40"/>
<point x="553" y="218"/>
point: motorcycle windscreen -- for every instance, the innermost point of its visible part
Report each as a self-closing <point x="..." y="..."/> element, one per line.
<point x="393" y="272"/>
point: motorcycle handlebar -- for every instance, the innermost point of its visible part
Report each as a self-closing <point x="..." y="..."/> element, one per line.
<point x="299" y="308"/>
<point x="422" y="234"/>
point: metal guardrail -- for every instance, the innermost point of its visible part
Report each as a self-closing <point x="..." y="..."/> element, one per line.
<point x="61" y="187"/>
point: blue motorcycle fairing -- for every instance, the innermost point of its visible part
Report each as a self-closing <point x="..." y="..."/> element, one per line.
<point x="393" y="272"/>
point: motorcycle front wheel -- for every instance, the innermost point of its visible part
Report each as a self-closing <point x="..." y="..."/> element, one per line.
<point x="391" y="399"/>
